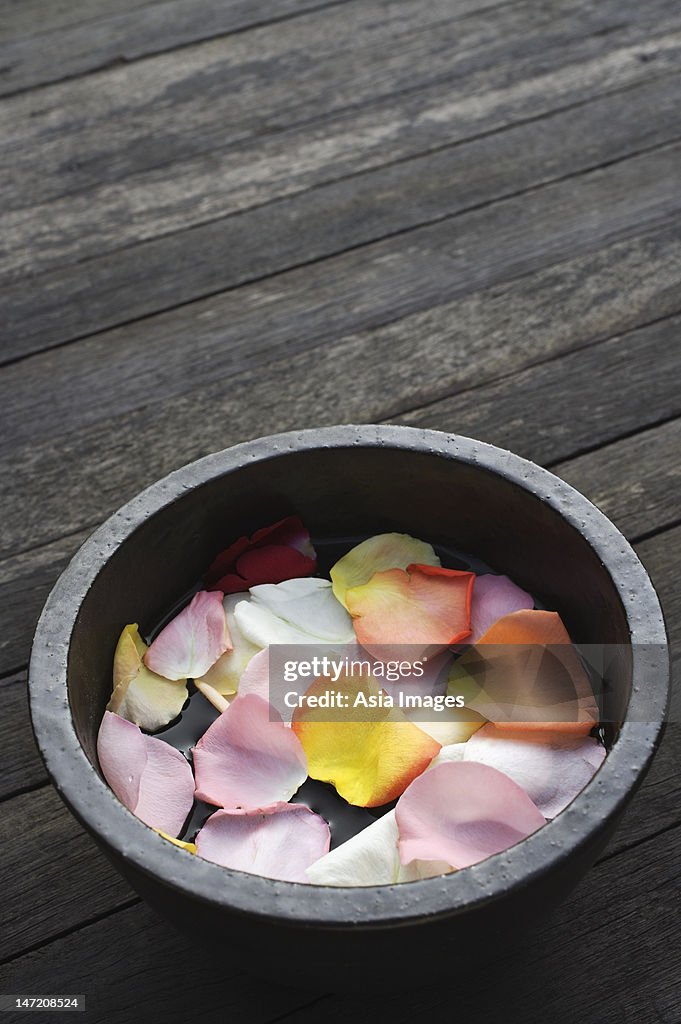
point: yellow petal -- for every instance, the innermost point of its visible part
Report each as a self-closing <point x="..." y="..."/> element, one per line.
<point x="190" y="847"/>
<point x="139" y="695"/>
<point x="372" y="753"/>
<point x="384" y="551"/>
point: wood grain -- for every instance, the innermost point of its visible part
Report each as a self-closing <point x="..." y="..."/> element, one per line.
<point x="370" y="204"/>
<point x="80" y="134"/>
<point x="59" y="483"/>
<point x="115" y="33"/>
<point x="140" y="242"/>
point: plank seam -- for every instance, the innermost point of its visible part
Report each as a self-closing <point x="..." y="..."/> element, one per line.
<point x="257" y="279"/>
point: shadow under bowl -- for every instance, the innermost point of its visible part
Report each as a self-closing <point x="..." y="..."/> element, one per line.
<point x="346" y="482"/>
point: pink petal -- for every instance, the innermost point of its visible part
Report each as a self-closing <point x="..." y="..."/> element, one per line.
<point x="149" y="776"/>
<point x="462" y="812"/>
<point x="193" y="640"/>
<point x="166" y="788"/>
<point x="256" y="676"/>
<point x="122" y="757"/>
<point x="552" y="767"/>
<point x="281" y="844"/>
<point x="494" y="597"/>
<point x="247" y="758"/>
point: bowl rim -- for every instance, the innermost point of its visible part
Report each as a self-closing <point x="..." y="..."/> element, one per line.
<point x="128" y="839"/>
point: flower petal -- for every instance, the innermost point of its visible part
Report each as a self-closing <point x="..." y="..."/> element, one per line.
<point x="280" y="844"/>
<point x="256" y="677"/>
<point x="493" y="598"/>
<point x="425" y="605"/>
<point x="371" y="858"/>
<point x="225" y="674"/>
<point x="150" y="777"/>
<point x="139" y="695"/>
<point x="246" y="759"/>
<point x="462" y="812"/>
<point x="371" y="755"/>
<point x="308" y="605"/>
<point x="274" y="553"/>
<point x="527" y="674"/>
<point x="189" y="847"/>
<point x="384" y="551"/>
<point x="298" y="611"/>
<point x="551" y="767"/>
<point x="450" y="752"/>
<point x="193" y="641"/>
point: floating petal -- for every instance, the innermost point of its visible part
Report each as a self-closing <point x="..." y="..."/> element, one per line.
<point x="371" y="858"/>
<point x="189" y="847"/>
<point x="139" y="695"/>
<point x="525" y="673"/>
<point x="149" y="776"/>
<point x="425" y="606"/>
<point x="371" y="754"/>
<point x="299" y="611"/>
<point x="551" y="767"/>
<point x="225" y="674"/>
<point x="493" y="598"/>
<point x="462" y="812"/>
<point x="247" y="759"/>
<point x="193" y="641"/>
<point x="280" y="844"/>
<point x="275" y="553"/>
<point x="376" y="554"/>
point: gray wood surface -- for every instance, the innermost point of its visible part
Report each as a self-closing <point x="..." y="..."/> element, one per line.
<point x="224" y="219"/>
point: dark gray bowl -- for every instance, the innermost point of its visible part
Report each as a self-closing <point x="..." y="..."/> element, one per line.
<point x="347" y="482"/>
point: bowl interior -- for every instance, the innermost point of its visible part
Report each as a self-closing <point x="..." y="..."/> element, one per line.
<point x="342" y="493"/>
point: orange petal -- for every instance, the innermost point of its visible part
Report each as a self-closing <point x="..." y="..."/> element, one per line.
<point x="426" y="606"/>
<point x="369" y="753"/>
<point x="529" y="675"/>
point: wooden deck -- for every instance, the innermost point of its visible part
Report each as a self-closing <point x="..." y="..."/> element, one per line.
<point x="224" y="218"/>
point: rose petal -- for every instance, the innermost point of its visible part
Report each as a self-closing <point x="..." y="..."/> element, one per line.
<point x="527" y="674"/>
<point x="384" y="551"/>
<point x="189" y="847"/>
<point x="371" y="858"/>
<point x="149" y="776"/>
<point x="462" y="812"/>
<point x="256" y="676"/>
<point x="493" y="598"/>
<point x="225" y="674"/>
<point x="551" y="767"/>
<point x="425" y="606"/>
<point x="309" y="605"/>
<point x="275" y="553"/>
<point x="280" y="844"/>
<point x="299" y="611"/>
<point x="451" y="752"/>
<point x="372" y="754"/>
<point x="193" y="641"/>
<point x="245" y="759"/>
<point x="139" y="695"/>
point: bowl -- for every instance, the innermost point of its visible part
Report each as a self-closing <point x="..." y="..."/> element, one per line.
<point x="351" y="482"/>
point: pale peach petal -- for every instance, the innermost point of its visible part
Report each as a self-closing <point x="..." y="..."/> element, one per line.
<point x="193" y="641"/>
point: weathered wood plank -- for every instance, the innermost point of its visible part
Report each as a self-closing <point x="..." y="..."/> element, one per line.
<point x="59" y="483"/>
<point x="128" y="964"/>
<point x="20" y="765"/>
<point x="582" y="400"/>
<point x="160" y="272"/>
<point x="59" y="878"/>
<point x="639" y="501"/>
<point x="351" y="211"/>
<point x="83" y="38"/>
<point x="82" y="133"/>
